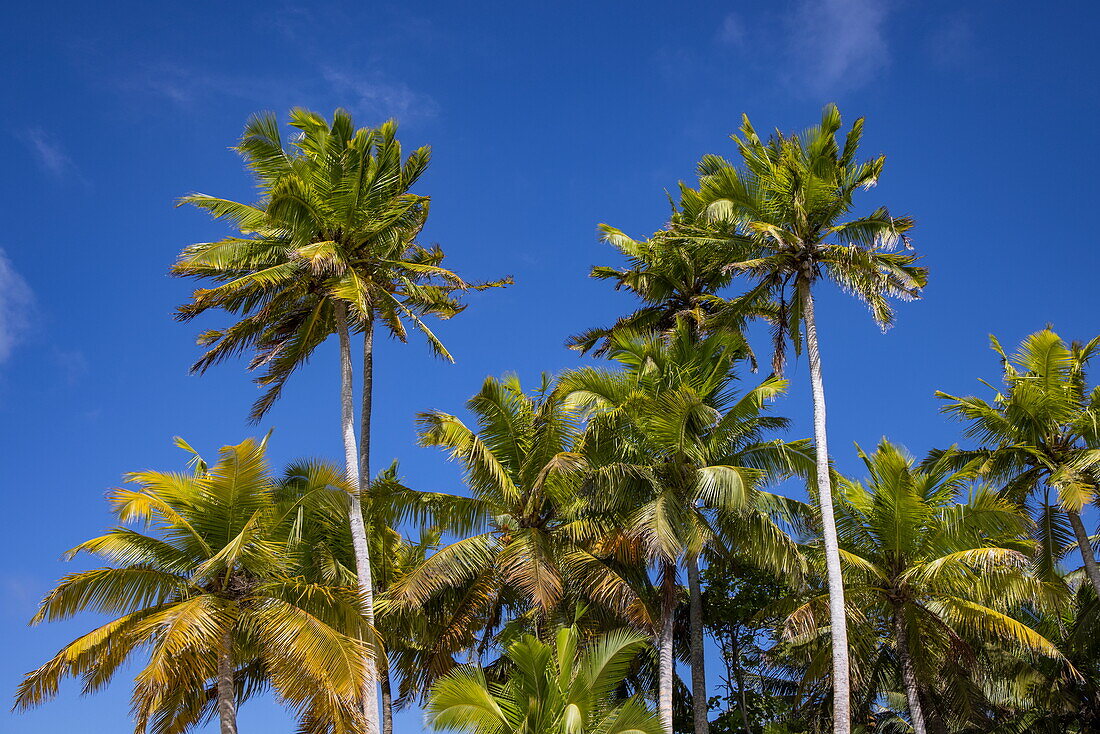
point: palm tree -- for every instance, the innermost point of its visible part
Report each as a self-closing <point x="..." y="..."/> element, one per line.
<point x="521" y="549"/>
<point x="789" y="199"/>
<point x="1041" y="434"/>
<point x="321" y="540"/>
<point x="674" y="278"/>
<point x="934" y="574"/>
<point x="681" y="459"/>
<point x="329" y="247"/>
<point x="566" y="688"/>
<point x="211" y="592"/>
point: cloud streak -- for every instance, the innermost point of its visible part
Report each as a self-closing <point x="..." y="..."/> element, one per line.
<point x="372" y="94"/>
<point x="379" y="97"/>
<point x="819" y="47"/>
<point x="16" y="300"/>
<point x="48" y="152"/>
<point x="837" y="45"/>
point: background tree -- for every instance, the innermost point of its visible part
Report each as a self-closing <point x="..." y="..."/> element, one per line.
<point x="521" y="551"/>
<point x="1041" y="436"/>
<point x="934" y="576"/>
<point x="789" y="199"/>
<point x="210" y="592"/>
<point x="676" y="454"/>
<point x="551" y="689"/>
<point x="735" y="603"/>
<point x="329" y="247"/>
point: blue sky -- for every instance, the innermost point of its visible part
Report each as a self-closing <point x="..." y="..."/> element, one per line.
<point x="544" y="120"/>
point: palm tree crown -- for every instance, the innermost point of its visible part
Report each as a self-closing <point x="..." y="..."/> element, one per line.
<point x="211" y="592"/>
<point x="566" y="688"/>
<point x="1041" y="434"/>
<point x="789" y="200"/>
<point x="333" y="232"/>
<point x="933" y="577"/>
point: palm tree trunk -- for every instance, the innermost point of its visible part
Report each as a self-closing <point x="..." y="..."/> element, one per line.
<point x="909" y="675"/>
<point x="387" y="700"/>
<point x="664" y="645"/>
<point x="355" y="509"/>
<point x="698" y="672"/>
<point x="1085" y="545"/>
<point x="227" y="697"/>
<point x="842" y="722"/>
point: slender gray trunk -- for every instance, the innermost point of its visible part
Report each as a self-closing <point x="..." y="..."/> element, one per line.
<point x="698" y="671"/>
<point x="387" y="700"/>
<point x="355" y="511"/>
<point x="227" y="695"/>
<point x="909" y="675"/>
<point x="741" y="702"/>
<point x="664" y="645"/>
<point x="838" y="623"/>
<point x="1085" y="546"/>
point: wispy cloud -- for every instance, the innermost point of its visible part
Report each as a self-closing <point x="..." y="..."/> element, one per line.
<point x="16" y="300"/>
<point x="818" y="47"/>
<point x="837" y="45"/>
<point x="48" y="152"/>
<point x="379" y="97"/>
<point x="373" y="94"/>
<point x="733" y="31"/>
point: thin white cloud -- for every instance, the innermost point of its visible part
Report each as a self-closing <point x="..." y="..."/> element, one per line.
<point x="379" y="97"/>
<point x="16" y="300"/>
<point x="48" y="152"/>
<point x="732" y="32"/>
<point x="372" y="94"/>
<point x="837" y="45"/>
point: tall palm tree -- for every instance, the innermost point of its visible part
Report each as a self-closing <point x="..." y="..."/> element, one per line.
<point x="329" y="247"/>
<point x="569" y="687"/>
<point x="681" y="459"/>
<point x="521" y="551"/>
<point x="934" y="572"/>
<point x="210" y="592"/>
<point x="1041" y="435"/>
<point x="790" y="199"/>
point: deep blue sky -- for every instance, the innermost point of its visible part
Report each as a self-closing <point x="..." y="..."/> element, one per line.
<point x="544" y="120"/>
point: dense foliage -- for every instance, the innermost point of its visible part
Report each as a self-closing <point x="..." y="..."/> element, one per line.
<point x="615" y="516"/>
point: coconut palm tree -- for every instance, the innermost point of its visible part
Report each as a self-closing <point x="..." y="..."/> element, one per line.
<point x="569" y="687"/>
<point x="1041" y="435"/>
<point x="934" y="572"/>
<point x="329" y="247"/>
<point x="680" y="460"/>
<point x="677" y="275"/>
<point x="321" y="540"/>
<point x="205" y="587"/>
<point x="521" y="551"/>
<point x="790" y="199"/>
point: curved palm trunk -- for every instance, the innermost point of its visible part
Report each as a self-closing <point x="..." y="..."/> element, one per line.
<point x="1085" y="546"/>
<point x="698" y="671"/>
<point x="227" y="696"/>
<point x="838" y="624"/>
<point x="355" y="509"/>
<point x="909" y="676"/>
<point x="664" y="645"/>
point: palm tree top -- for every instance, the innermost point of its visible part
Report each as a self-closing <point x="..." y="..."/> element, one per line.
<point x="201" y="566"/>
<point x="789" y="203"/>
<point x="334" y="230"/>
<point x="1042" y="424"/>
